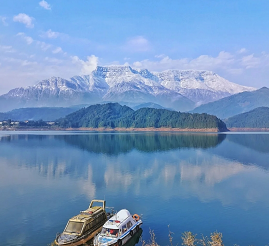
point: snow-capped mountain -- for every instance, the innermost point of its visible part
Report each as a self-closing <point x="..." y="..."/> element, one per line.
<point x="200" y="86"/>
<point x="176" y="89"/>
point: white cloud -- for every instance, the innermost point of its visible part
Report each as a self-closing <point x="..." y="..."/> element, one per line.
<point x="27" y="39"/>
<point x="7" y="49"/>
<point x="45" y="5"/>
<point x="160" y="56"/>
<point x="223" y="61"/>
<point x="137" y="44"/>
<point x="239" y="67"/>
<point x="241" y="51"/>
<point x="86" y="66"/>
<point x="203" y="62"/>
<point x="3" y="20"/>
<point x="50" y="34"/>
<point x="25" y="19"/>
<point x="250" y="61"/>
<point x="27" y="63"/>
<point x="57" y="50"/>
<point x="24" y="70"/>
<point x="53" y="60"/>
<point x="44" y="46"/>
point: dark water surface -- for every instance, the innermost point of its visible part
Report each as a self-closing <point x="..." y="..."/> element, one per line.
<point x="192" y="182"/>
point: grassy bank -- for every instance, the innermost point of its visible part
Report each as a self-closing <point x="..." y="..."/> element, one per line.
<point x="188" y="239"/>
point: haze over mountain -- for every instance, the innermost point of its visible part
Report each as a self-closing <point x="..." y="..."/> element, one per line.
<point x="42" y="113"/>
<point x="236" y="104"/>
<point x="179" y="90"/>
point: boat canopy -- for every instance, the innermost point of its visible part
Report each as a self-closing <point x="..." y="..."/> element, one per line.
<point x="121" y="215"/>
<point x="116" y="221"/>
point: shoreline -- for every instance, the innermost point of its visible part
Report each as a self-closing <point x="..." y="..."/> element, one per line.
<point x="235" y="129"/>
<point x="103" y="129"/>
<point x="148" y="129"/>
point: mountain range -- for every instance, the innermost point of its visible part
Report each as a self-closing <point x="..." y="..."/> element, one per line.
<point x="175" y="89"/>
<point x="236" y="104"/>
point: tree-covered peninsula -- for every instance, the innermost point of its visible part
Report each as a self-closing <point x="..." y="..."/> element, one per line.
<point x="113" y="115"/>
<point x="255" y="119"/>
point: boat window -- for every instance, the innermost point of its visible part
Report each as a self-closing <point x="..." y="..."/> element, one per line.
<point x="124" y="228"/>
<point x="110" y="232"/>
<point x="114" y="232"/>
<point x="74" y="227"/>
<point x="104" y="231"/>
<point x="129" y="224"/>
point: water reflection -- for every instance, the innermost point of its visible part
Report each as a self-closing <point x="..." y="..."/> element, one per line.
<point x="132" y="242"/>
<point x="203" y="176"/>
<point x="257" y="142"/>
<point x="248" y="149"/>
<point x="114" y="144"/>
<point x="197" y="163"/>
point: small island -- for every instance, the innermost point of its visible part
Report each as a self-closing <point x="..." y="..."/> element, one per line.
<point x="114" y="117"/>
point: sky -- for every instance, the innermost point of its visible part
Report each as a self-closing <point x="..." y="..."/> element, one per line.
<point x="41" y="39"/>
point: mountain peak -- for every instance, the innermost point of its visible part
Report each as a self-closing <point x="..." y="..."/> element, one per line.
<point x="263" y="89"/>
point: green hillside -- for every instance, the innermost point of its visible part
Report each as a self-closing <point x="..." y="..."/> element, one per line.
<point x="236" y="104"/>
<point x="99" y="115"/>
<point x="257" y="118"/>
<point x="114" y="115"/>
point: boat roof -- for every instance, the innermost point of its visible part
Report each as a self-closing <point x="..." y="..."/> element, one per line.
<point x="115" y="221"/>
<point x="87" y="214"/>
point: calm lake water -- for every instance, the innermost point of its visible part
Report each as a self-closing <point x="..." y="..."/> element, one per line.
<point x="193" y="182"/>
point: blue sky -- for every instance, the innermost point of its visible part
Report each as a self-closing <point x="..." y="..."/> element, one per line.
<point x="40" y="39"/>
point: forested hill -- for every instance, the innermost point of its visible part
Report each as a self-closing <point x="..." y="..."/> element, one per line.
<point x="113" y="115"/>
<point x="99" y="115"/>
<point x="257" y="118"/>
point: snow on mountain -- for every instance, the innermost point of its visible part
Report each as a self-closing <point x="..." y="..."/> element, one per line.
<point x="91" y="83"/>
<point x="114" y="75"/>
<point x="200" y="86"/>
<point x="172" y="88"/>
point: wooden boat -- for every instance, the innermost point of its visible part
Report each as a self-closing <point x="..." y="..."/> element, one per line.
<point x="119" y="229"/>
<point x="84" y="226"/>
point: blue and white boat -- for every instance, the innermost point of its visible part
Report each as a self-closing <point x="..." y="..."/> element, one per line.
<point x="119" y="229"/>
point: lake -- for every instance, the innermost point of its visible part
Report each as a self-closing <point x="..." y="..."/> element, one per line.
<point x="198" y="182"/>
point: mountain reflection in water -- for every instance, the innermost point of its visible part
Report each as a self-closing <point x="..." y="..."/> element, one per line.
<point x="205" y="182"/>
<point x="257" y="142"/>
<point x="113" y="144"/>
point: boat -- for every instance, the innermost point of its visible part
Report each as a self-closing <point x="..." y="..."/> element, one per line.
<point x="119" y="229"/>
<point x="84" y="226"/>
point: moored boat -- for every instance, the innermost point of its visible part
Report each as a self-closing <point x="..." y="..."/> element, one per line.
<point x="84" y="226"/>
<point x="119" y="229"/>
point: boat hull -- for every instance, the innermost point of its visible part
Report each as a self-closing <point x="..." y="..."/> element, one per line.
<point x="80" y="240"/>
